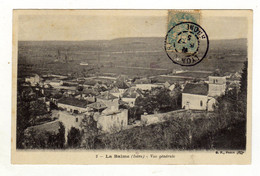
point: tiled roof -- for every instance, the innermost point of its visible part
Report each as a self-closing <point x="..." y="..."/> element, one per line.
<point x="107" y="96"/>
<point x="73" y="102"/>
<point x="52" y="81"/>
<point x="198" y="89"/>
<point x="143" y="81"/>
<point x="56" y="96"/>
<point x="46" y="127"/>
<point x="121" y="85"/>
<point x="121" y="102"/>
<point x="90" y="82"/>
<point x="114" y="90"/>
<point x="139" y="92"/>
<point x="97" y="105"/>
<point x="132" y="93"/>
<point x="90" y="92"/>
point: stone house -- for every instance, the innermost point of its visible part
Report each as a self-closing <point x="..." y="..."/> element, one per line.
<point x="112" y="121"/>
<point x="111" y="101"/>
<point x="130" y="96"/>
<point x="54" y="83"/>
<point x="148" y="86"/>
<point x="73" y="105"/>
<point x="33" y="80"/>
<point x="202" y="96"/>
<point x="195" y="97"/>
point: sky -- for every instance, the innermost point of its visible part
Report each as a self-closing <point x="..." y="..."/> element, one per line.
<point x="109" y="24"/>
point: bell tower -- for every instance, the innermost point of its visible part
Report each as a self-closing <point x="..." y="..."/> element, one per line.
<point x="217" y="85"/>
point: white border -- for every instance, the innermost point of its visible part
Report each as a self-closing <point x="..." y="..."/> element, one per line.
<point x="5" y="94"/>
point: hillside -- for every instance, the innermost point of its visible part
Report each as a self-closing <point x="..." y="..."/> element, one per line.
<point x="227" y="55"/>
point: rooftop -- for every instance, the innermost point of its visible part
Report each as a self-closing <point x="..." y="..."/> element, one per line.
<point x="53" y="126"/>
<point x="90" y="82"/>
<point x="107" y="96"/>
<point x="121" y="85"/>
<point x="114" y="90"/>
<point x="143" y="81"/>
<point x="56" y="96"/>
<point x="73" y="102"/>
<point x="131" y="93"/>
<point x="198" y="89"/>
<point x="90" y="92"/>
<point x="97" y="105"/>
<point x="52" y="81"/>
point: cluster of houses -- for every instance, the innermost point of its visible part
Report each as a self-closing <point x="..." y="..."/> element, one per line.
<point x="99" y="96"/>
<point x="103" y="96"/>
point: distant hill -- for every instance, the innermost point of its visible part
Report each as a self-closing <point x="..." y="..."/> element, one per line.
<point x="227" y="55"/>
<point x="140" y="43"/>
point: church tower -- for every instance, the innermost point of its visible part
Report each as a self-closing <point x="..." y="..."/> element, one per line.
<point x="217" y="85"/>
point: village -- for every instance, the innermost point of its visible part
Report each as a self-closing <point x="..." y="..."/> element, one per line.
<point x="111" y="100"/>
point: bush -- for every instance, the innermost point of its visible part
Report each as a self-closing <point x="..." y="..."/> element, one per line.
<point x="34" y="139"/>
<point x="74" y="138"/>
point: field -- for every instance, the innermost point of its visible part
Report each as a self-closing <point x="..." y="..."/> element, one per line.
<point x="130" y="56"/>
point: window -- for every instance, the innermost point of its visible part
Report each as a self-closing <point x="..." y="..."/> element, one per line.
<point x="77" y="119"/>
<point x="201" y="103"/>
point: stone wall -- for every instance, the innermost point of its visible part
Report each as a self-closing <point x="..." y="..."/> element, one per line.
<point x="160" y="117"/>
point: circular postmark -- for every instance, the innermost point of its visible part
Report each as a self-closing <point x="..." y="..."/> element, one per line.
<point x="186" y="44"/>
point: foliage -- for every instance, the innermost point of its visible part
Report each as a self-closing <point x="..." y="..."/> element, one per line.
<point x="180" y="132"/>
<point x="176" y="94"/>
<point x="231" y="113"/>
<point x="160" y="100"/>
<point x="172" y="134"/>
<point x="233" y="104"/>
<point x="243" y="89"/>
<point x="44" y="139"/>
<point x="22" y="122"/>
<point x="74" y="137"/>
<point x="89" y="132"/>
<point x="28" y="108"/>
<point x="134" y="113"/>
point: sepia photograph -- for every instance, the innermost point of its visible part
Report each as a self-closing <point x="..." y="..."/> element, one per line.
<point x="132" y="86"/>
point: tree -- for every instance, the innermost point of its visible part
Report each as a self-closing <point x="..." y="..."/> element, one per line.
<point x="177" y="96"/>
<point x="158" y="99"/>
<point x="243" y="89"/>
<point x="74" y="137"/>
<point x="134" y="113"/>
<point x="22" y="122"/>
<point x="243" y="80"/>
<point x="34" y="139"/>
<point x="61" y="136"/>
<point x="37" y="108"/>
<point x="89" y="132"/>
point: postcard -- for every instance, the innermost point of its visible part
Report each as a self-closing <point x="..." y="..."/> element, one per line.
<point x="132" y="87"/>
